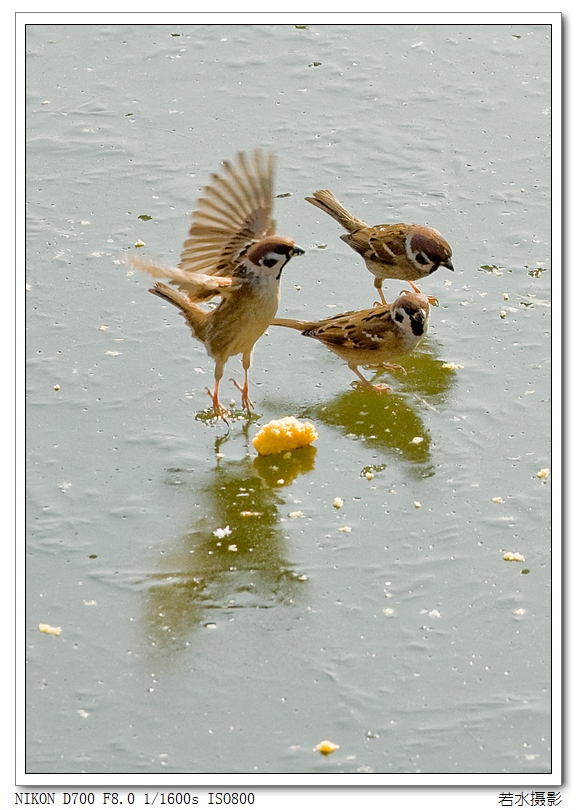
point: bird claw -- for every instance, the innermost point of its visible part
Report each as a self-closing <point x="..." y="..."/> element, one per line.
<point x="247" y="403"/>
<point x="433" y="300"/>
<point x="219" y="410"/>
<point x="380" y="388"/>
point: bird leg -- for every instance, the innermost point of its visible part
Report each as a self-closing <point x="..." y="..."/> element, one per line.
<point x="382" y="388"/>
<point x="433" y="301"/>
<point x="218" y="409"/>
<point x="246" y="401"/>
<point x="379" y="287"/>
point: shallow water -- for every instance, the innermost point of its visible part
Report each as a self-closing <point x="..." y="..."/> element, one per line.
<point x="391" y="626"/>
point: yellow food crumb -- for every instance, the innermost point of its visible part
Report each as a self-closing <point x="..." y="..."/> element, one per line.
<point x="452" y="366"/>
<point x="284" y="434"/>
<point x="296" y="514"/>
<point x="57" y="387"/>
<point x="503" y="314"/>
<point x="498" y="499"/>
<point x="417" y="440"/>
<point x="326" y="747"/>
<point x="417" y="504"/>
<point x="345" y="529"/>
<point x="139" y="243"/>
<point x="369" y="475"/>
<point x="505" y="296"/>
<point x="513" y="556"/>
<point x="47" y="628"/>
<point x="338" y="503"/>
<point x="250" y="514"/>
<point x="544" y="473"/>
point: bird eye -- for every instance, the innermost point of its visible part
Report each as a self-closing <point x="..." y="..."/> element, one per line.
<point x="422" y="258"/>
<point x="269" y="261"/>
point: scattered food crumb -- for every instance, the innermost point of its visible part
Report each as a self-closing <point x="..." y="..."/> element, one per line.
<point x="417" y="440"/>
<point x="369" y="475"/>
<point x="503" y="314"/>
<point x="47" y="628"/>
<point x="388" y="611"/>
<point x="296" y="514"/>
<point x="220" y="533"/>
<point x="284" y="434"/>
<point x="139" y="243"/>
<point x="82" y="713"/>
<point x="520" y="612"/>
<point x="417" y="504"/>
<point x="251" y="514"/>
<point x="543" y="473"/>
<point x="345" y="529"/>
<point x="506" y="296"/>
<point x="233" y="547"/>
<point x="338" y="503"/>
<point x="498" y="499"/>
<point x="326" y="747"/>
<point x="57" y="387"/>
<point x="513" y="556"/>
<point x="452" y="366"/>
<point x="113" y="354"/>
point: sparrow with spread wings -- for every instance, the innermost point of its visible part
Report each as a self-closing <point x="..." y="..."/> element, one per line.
<point x="232" y="251"/>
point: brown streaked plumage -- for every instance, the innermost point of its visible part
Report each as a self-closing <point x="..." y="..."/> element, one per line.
<point x="401" y="251"/>
<point x="371" y="336"/>
<point x="231" y="251"/>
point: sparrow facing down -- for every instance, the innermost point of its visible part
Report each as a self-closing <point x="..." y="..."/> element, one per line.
<point x="371" y="336"/>
<point x="231" y="251"/>
<point x="406" y="252"/>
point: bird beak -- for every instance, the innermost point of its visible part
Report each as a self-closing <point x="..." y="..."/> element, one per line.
<point x="449" y="265"/>
<point x="297" y="251"/>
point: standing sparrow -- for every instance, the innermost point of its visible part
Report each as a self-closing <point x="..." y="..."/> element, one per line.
<point x="231" y="251"/>
<point x="400" y="251"/>
<point x="371" y="336"/>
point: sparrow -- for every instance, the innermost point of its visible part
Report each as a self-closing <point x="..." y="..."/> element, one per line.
<point x="371" y="336"/>
<point x="231" y="251"/>
<point x="407" y="252"/>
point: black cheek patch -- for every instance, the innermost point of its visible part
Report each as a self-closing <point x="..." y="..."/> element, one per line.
<point x="399" y="317"/>
<point x="422" y="258"/>
<point x="417" y="325"/>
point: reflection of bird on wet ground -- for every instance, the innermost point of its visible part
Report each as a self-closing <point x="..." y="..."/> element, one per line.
<point x="406" y="252"/>
<point x="371" y="336"/>
<point x="231" y="251"/>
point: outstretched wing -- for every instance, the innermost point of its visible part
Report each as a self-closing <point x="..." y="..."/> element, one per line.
<point x="234" y="211"/>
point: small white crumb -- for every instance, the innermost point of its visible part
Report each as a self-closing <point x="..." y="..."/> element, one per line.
<point x="417" y="440"/>
<point x="251" y="514"/>
<point x="464" y="303"/>
<point x="112" y="354"/>
<point x="82" y="713"/>
<point x="338" y="503"/>
<point x="503" y="314"/>
<point x="232" y="547"/>
<point x="28" y="287"/>
<point x="297" y="287"/>
<point x="388" y="611"/>
<point x="369" y="475"/>
<point x="57" y="387"/>
<point x="498" y="499"/>
<point x="519" y="612"/>
<point x="543" y="473"/>
<point x="219" y="455"/>
<point x="417" y="504"/>
<point x="296" y="514"/>
<point x="513" y="556"/>
<point x="452" y="366"/>
<point x="90" y="602"/>
<point x="448" y="282"/>
<point x="139" y="243"/>
<point x="505" y="296"/>
<point x="302" y="578"/>
<point x="47" y="628"/>
<point x="102" y="328"/>
<point x="220" y="533"/>
<point x="345" y="529"/>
